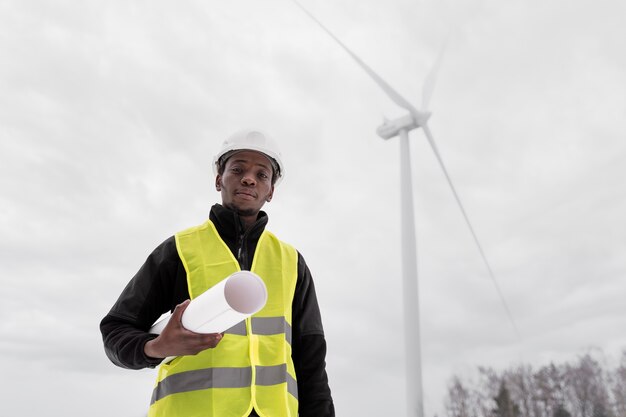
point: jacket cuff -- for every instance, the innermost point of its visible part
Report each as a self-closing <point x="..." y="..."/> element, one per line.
<point x="149" y="360"/>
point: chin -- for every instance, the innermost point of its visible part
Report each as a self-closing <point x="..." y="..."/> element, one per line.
<point x="248" y="212"/>
<point x="243" y="211"/>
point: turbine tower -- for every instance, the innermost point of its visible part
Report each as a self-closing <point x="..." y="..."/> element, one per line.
<point x="401" y="127"/>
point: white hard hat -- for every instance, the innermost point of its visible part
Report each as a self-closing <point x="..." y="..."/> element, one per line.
<point x="254" y="140"/>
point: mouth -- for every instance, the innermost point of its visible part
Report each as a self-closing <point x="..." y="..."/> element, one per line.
<point x="246" y="195"/>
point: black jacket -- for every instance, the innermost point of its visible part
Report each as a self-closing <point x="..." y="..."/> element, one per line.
<point x="161" y="284"/>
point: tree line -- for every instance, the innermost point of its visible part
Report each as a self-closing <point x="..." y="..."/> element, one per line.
<point x="587" y="387"/>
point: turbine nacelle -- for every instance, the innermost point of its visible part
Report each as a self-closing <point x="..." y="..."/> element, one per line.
<point x="391" y="128"/>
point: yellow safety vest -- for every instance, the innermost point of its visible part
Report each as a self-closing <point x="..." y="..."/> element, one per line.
<point x="252" y="365"/>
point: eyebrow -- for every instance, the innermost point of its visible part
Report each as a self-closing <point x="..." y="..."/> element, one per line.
<point x="247" y="161"/>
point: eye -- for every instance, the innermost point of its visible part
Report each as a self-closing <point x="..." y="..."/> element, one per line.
<point x="235" y="169"/>
<point x="265" y="175"/>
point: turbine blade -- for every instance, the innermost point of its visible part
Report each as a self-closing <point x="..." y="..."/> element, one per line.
<point x="431" y="140"/>
<point x="393" y="94"/>
<point x="431" y="78"/>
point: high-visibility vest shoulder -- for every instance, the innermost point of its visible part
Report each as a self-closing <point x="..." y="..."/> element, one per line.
<point x="252" y="365"/>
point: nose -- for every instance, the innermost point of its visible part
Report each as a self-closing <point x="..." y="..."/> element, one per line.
<point x="248" y="180"/>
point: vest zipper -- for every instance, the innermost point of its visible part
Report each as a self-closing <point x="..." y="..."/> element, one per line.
<point x="242" y="252"/>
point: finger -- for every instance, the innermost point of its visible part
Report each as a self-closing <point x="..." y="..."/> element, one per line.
<point x="215" y="340"/>
<point x="211" y="340"/>
<point x="179" y="310"/>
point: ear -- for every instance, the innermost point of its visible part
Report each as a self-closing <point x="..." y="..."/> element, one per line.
<point x="270" y="195"/>
<point x="218" y="182"/>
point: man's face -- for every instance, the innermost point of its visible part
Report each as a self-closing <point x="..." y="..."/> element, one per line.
<point x="246" y="183"/>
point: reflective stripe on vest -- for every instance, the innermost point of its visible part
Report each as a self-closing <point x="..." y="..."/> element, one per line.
<point x="252" y="365"/>
<point x="224" y="378"/>
<point x="265" y="326"/>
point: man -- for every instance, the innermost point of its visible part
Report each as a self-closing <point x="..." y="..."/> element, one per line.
<point x="274" y="365"/>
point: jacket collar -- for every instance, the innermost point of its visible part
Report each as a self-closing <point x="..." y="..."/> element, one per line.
<point x="230" y="227"/>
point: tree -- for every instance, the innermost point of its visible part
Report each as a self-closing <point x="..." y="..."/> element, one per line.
<point x="600" y="410"/>
<point x="584" y="388"/>
<point x="523" y="390"/>
<point x="458" y="403"/>
<point x="560" y="411"/>
<point x="505" y="407"/>
<point x="618" y="387"/>
<point x="588" y="391"/>
<point x="550" y="390"/>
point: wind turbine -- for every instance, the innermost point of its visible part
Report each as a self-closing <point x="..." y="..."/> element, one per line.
<point x="401" y="127"/>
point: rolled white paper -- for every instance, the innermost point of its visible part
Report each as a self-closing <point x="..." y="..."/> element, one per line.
<point x="222" y="306"/>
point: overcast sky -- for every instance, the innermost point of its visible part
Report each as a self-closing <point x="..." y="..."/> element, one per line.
<point x="110" y="113"/>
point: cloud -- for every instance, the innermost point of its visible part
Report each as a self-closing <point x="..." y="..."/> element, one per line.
<point x="110" y="114"/>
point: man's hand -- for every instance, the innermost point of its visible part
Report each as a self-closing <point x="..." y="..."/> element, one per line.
<point x="175" y="340"/>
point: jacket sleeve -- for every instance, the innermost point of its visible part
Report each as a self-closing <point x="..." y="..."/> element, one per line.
<point x="151" y="292"/>
<point x="309" y="349"/>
